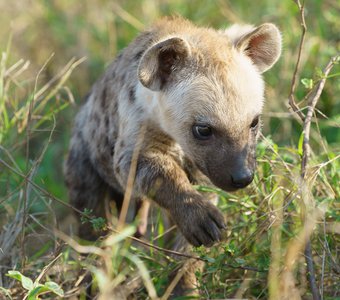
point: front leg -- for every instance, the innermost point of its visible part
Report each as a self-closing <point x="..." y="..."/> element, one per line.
<point x="160" y="178"/>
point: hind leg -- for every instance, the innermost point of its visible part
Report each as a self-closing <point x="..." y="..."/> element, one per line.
<point x="86" y="189"/>
<point x="142" y="213"/>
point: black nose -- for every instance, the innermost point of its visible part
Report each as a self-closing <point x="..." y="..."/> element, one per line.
<point x="242" y="179"/>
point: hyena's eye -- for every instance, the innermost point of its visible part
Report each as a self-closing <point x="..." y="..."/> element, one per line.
<point x="255" y="123"/>
<point x="202" y="132"/>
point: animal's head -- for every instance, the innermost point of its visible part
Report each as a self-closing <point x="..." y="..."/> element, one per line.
<point x="210" y="92"/>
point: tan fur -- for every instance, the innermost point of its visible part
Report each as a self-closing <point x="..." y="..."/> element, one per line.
<point x="174" y="78"/>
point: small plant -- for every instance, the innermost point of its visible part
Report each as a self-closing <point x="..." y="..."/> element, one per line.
<point x="97" y="223"/>
<point x="35" y="289"/>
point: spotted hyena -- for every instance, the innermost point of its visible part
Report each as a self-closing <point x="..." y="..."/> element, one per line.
<point x="196" y="94"/>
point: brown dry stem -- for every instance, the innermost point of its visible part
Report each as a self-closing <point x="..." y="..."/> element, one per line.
<point x="292" y="101"/>
<point x="312" y="98"/>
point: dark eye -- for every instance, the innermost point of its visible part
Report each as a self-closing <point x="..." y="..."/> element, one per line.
<point x="202" y="132"/>
<point x="255" y="123"/>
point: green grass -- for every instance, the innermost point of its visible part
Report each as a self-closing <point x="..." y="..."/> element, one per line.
<point x="40" y="94"/>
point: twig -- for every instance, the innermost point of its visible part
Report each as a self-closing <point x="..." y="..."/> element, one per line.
<point x="323" y="260"/>
<point x="311" y="271"/>
<point x="173" y="252"/>
<point x="312" y="101"/>
<point x="291" y="97"/>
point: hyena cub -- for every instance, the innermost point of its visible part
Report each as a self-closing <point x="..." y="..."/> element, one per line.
<point x="197" y="94"/>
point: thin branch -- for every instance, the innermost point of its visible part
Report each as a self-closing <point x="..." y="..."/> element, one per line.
<point x="145" y="243"/>
<point x="291" y="97"/>
<point x="323" y="260"/>
<point x="172" y="252"/>
<point x="311" y="271"/>
<point x="312" y="100"/>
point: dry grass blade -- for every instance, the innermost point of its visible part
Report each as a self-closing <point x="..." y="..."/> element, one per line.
<point x="131" y="178"/>
<point x="46" y="268"/>
<point x="9" y="234"/>
<point x="127" y="17"/>
<point x="288" y="290"/>
<point x="39" y="100"/>
<point x="175" y="281"/>
<point x="144" y="274"/>
<point x="275" y="248"/>
<point x="80" y="248"/>
<point x="65" y="74"/>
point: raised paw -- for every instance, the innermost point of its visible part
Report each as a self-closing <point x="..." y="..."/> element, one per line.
<point x="200" y="222"/>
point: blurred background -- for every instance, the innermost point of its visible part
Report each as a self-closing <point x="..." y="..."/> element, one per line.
<point x="53" y="51"/>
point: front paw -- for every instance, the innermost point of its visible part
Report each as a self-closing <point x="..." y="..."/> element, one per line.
<point x="200" y="222"/>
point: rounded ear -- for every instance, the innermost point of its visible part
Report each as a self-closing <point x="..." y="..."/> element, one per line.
<point x="160" y="62"/>
<point x="262" y="44"/>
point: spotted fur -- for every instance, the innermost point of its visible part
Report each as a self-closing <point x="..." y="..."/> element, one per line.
<point x="171" y="77"/>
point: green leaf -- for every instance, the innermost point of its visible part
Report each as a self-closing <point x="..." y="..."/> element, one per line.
<point x="209" y="259"/>
<point x="319" y="73"/>
<point x="49" y="286"/>
<point x="212" y="269"/>
<point x="86" y="216"/>
<point x="300" y="145"/>
<point x="26" y="282"/>
<point x="240" y="261"/>
<point x="308" y="83"/>
<point x="98" y="223"/>
<point x="230" y="248"/>
<point x="55" y="288"/>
